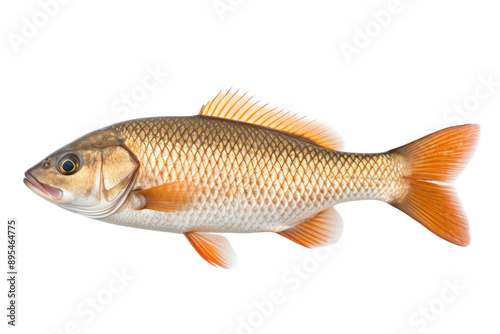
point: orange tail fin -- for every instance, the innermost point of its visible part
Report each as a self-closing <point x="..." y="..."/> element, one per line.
<point x="435" y="160"/>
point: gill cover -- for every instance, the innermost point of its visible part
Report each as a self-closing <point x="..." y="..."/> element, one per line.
<point x="115" y="178"/>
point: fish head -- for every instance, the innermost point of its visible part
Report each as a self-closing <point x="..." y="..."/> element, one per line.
<point x="92" y="175"/>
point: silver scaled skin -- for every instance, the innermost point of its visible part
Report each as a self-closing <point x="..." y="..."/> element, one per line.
<point x="249" y="178"/>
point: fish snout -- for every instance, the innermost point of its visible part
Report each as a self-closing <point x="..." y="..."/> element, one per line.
<point x="42" y="189"/>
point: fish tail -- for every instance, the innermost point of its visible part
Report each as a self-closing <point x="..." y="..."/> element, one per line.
<point x="434" y="162"/>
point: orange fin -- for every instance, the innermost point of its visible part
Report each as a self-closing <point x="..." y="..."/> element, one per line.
<point x="438" y="208"/>
<point x="438" y="157"/>
<point x="323" y="229"/>
<point x="239" y="108"/>
<point x="442" y="155"/>
<point x="215" y="249"/>
<point x="169" y="197"/>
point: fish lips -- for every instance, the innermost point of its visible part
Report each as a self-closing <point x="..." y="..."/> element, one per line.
<point x="42" y="189"/>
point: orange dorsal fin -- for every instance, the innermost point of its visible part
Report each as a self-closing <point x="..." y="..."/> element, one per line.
<point x="169" y="197"/>
<point x="323" y="229"/>
<point x="215" y="249"/>
<point x="240" y="108"/>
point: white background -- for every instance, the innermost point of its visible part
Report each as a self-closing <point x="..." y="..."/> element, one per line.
<point x="68" y="77"/>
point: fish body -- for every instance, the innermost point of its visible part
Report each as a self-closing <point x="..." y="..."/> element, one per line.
<point x="240" y="167"/>
<point x="245" y="178"/>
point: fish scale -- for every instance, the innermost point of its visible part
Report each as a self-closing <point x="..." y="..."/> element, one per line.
<point x="253" y="179"/>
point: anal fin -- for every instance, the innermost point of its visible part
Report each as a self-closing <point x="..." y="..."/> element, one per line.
<point x="323" y="229"/>
<point x="215" y="249"/>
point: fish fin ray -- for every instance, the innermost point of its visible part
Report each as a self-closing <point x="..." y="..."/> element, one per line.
<point x="323" y="229"/>
<point x="442" y="155"/>
<point x="170" y="197"/>
<point x="434" y="161"/>
<point x="437" y="207"/>
<point x="235" y="107"/>
<point x="213" y="248"/>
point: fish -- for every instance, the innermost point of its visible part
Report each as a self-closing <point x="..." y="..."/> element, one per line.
<point x="240" y="166"/>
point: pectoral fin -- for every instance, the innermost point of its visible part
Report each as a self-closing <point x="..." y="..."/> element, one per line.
<point x="323" y="229"/>
<point x="215" y="249"/>
<point x="169" y="197"/>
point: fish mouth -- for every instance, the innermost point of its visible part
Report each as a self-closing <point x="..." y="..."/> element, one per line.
<point x="42" y="189"/>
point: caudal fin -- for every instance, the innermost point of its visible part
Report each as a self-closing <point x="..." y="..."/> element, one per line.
<point x="434" y="161"/>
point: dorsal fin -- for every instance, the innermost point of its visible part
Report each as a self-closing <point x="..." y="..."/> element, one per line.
<point x="240" y="108"/>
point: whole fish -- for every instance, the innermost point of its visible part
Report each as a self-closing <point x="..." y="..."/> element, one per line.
<point x="239" y="166"/>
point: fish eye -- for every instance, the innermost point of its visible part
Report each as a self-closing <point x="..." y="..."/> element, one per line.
<point x="68" y="164"/>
